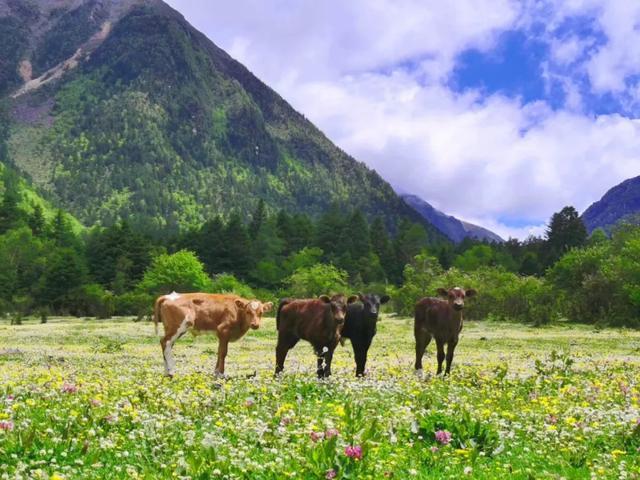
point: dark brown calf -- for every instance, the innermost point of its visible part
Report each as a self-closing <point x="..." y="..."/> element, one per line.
<point x="440" y="318"/>
<point x="319" y="321"/>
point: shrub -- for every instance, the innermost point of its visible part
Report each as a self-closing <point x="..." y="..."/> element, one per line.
<point x="228" y="283"/>
<point x="180" y="272"/>
<point x="317" y="280"/>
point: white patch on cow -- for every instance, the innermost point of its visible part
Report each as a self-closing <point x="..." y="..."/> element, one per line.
<point x="169" y="361"/>
<point x="173" y="296"/>
<point x="458" y="289"/>
<point x="254" y="305"/>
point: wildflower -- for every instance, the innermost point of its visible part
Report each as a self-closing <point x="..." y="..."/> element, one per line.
<point x="316" y="436"/>
<point x="354" y="452"/>
<point x="69" y="388"/>
<point x="434" y="449"/>
<point x="95" y="402"/>
<point x="330" y="433"/>
<point x="443" y="437"/>
<point x="468" y="470"/>
<point x="249" y="402"/>
<point x="6" y="425"/>
<point x="330" y="474"/>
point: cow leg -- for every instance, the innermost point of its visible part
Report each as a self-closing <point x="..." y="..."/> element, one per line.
<point x="167" y="346"/>
<point x="285" y="343"/>
<point x="422" y="341"/>
<point x="440" y="346"/>
<point x="451" y="346"/>
<point x="324" y="362"/>
<point x="360" y="350"/>
<point x="223" y="347"/>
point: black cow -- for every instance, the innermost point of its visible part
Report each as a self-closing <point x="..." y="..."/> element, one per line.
<point x="360" y="326"/>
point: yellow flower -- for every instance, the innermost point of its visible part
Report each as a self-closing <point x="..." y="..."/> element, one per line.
<point x="340" y="410"/>
<point x="56" y="476"/>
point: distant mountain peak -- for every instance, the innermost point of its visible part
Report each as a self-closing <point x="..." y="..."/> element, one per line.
<point x="454" y="229"/>
<point x="621" y="202"/>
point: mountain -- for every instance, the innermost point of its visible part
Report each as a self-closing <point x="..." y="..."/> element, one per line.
<point x="121" y="109"/>
<point x="454" y="229"/>
<point x="621" y="203"/>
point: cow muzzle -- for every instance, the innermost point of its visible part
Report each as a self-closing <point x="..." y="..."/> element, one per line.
<point x="458" y="306"/>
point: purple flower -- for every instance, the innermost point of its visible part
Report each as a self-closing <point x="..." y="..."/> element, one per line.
<point x="330" y="433"/>
<point x="316" y="436"/>
<point x="443" y="437"/>
<point x="330" y="474"/>
<point x="354" y="452"/>
<point x="6" y="425"/>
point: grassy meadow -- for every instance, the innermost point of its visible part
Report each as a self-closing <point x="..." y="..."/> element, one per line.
<point x="88" y="399"/>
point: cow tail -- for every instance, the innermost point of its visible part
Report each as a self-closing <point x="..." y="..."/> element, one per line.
<point x="283" y="302"/>
<point x="156" y="312"/>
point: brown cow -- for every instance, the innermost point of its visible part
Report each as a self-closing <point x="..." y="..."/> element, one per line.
<point x="228" y="315"/>
<point x="319" y="321"/>
<point x="441" y="319"/>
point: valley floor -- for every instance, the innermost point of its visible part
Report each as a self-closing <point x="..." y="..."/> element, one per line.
<point x="87" y="399"/>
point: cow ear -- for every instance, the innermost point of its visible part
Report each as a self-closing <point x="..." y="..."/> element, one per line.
<point x="361" y="297"/>
<point x="471" y="292"/>
<point x="267" y="306"/>
<point x="354" y="298"/>
<point x="443" y="292"/>
<point x="325" y="298"/>
<point x="385" y="299"/>
<point x="240" y="303"/>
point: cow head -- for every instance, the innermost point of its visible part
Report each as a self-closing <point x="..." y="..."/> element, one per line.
<point x="456" y="296"/>
<point x="371" y="304"/>
<point x="253" y="310"/>
<point x="338" y="305"/>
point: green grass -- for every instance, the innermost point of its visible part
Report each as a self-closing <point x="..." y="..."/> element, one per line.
<point x="513" y="407"/>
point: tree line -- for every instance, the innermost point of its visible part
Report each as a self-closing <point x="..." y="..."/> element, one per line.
<point x="48" y="268"/>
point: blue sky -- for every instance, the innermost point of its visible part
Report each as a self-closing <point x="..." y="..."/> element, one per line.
<point x="499" y="112"/>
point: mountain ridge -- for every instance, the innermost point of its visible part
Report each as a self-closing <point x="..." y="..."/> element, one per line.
<point x="619" y="203"/>
<point x="454" y="229"/>
<point x="159" y="125"/>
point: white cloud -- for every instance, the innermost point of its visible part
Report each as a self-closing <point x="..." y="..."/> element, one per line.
<point x="370" y="74"/>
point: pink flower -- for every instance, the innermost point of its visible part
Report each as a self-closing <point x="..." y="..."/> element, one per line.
<point x="10" y="398"/>
<point x="354" y="452"/>
<point x="95" y="402"/>
<point x="249" y="402"/>
<point x="6" y="425"/>
<point x="330" y="433"/>
<point x="69" y="388"/>
<point x="443" y="437"/>
<point x="316" y="436"/>
<point x="330" y="474"/>
<point x="552" y="419"/>
<point x="434" y="449"/>
<point x="284" y="421"/>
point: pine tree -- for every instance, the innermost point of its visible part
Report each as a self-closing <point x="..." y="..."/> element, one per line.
<point x="61" y="232"/>
<point x="381" y="245"/>
<point x="566" y="231"/>
<point x="36" y="220"/>
<point x="259" y="217"/>
<point x="236" y="248"/>
<point x="10" y="213"/>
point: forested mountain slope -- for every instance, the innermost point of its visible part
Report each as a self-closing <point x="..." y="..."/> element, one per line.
<point x="121" y="109"/>
<point x="620" y="203"/>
